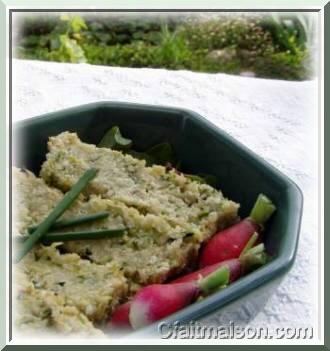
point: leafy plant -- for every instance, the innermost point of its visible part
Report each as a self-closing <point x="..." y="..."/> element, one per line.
<point x="289" y="33"/>
<point x="114" y="140"/>
<point x="161" y="154"/>
<point x="137" y="54"/>
<point x="63" y="40"/>
<point x="272" y="46"/>
<point x="285" y="65"/>
<point x="227" y="32"/>
<point x="172" y="50"/>
<point x="66" y="49"/>
<point x="60" y="44"/>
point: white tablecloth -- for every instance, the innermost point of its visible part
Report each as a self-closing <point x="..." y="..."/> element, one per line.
<point x="276" y="119"/>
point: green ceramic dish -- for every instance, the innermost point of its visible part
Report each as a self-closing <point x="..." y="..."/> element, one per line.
<point x="202" y="148"/>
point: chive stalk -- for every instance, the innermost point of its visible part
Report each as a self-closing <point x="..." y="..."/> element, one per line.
<point x="52" y="237"/>
<point x="59" y="209"/>
<point x="63" y="223"/>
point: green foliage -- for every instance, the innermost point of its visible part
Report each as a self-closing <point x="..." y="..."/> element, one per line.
<point x="113" y="139"/>
<point x="234" y="32"/>
<point x="65" y="49"/>
<point x="113" y="31"/>
<point x="285" y="65"/>
<point x="38" y="25"/>
<point x="172" y="51"/>
<point x="289" y="33"/>
<point x="161" y="154"/>
<point x="61" y="44"/>
<point x="64" y="40"/>
<point x="273" y="46"/>
<point x="137" y="54"/>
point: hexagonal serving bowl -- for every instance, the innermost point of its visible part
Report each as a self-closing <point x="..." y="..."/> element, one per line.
<point x="202" y="148"/>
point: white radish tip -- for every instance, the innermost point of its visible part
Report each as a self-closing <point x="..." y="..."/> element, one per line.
<point x="138" y="315"/>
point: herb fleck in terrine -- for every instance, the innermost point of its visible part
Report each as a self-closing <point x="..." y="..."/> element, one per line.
<point x="65" y="292"/>
<point x="167" y="194"/>
<point x="73" y="286"/>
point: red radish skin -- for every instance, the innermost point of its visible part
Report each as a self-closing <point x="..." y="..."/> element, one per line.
<point x="234" y="265"/>
<point x="158" y="296"/>
<point x="120" y="317"/>
<point x="225" y="258"/>
<point x="229" y="243"/>
<point x="157" y="301"/>
<point x="237" y="267"/>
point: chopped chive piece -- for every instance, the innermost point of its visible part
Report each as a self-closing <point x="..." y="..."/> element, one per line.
<point x="74" y="221"/>
<point x="81" y="235"/>
<point x="59" y="209"/>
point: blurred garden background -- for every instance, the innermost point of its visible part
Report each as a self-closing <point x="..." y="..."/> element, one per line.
<point x="277" y="46"/>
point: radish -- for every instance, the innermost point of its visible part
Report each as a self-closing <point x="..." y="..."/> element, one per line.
<point x="252" y="258"/>
<point x="229" y="243"/>
<point x="233" y="265"/>
<point x="157" y="301"/>
<point x="249" y="260"/>
<point x="120" y="317"/>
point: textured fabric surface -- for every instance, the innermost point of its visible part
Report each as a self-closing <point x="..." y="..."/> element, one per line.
<point x="276" y="119"/>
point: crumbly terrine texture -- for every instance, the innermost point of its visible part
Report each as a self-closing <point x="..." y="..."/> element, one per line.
<point x="38" y="311"/>
<point x="150" y="250"/>
<point x="64" y="292"/>
<point x="151" y="190"/>
<point x="76" y="284"/>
